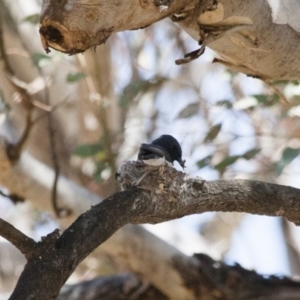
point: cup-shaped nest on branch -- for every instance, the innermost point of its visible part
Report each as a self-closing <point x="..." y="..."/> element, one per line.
<point x="165" y="183"/>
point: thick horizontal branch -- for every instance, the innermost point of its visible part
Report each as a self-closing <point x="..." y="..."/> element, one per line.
<point x="248" y="196"/>
<point x="215" y="278"/>
<point x="55" y="31"/>
<point x="235" y="282"/>
<point x="240" y="32"/>
<point x="24" y="243"/>
<point x="174" y="194"/>
<point x="125" y="286"/>
<point x="138" y="205"/>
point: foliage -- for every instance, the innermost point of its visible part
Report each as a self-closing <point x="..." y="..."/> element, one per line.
<point x="33" y="19"/>
<point x="74" y="77"/>
<point x="288" y="155"/>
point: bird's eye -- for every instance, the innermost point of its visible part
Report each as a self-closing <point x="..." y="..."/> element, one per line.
<point x="174" y="147"/>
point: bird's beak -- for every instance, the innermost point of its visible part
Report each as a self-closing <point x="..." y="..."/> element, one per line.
<point x="182" y="163"/>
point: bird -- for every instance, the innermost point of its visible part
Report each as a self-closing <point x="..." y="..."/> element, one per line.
<point x="164" y="149"/>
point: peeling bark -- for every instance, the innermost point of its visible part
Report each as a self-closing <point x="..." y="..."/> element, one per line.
<point x="64" y="29"/>
<point x="241" y="32"/>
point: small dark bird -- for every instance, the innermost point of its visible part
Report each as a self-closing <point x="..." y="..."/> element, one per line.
<point x="164" y="149"/>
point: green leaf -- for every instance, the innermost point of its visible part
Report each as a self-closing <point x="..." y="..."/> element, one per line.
<point x="250" y="153"/>
<point x="38" y="57"/>
<point x="261" y="98"/>
<point x="100" y="167"/>
<point x="189" y="111"/>
<point x="4" y="106"/>
<point x="226" y="162"/>
<point x="213" y="132"/>
<point x="284" y="82"/>
<point x="267" y="100"/>
<point x="133" y="89"/>
<point x="33" y="19"/>
<point x="204" y="162"/>
<point x="225" y="103"/>
<point x="75" y="77"/>
<point x="88" y="150"/>
<point x="288" y="155"/>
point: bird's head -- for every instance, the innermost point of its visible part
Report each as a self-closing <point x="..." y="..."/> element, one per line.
<point x="173" y="148"/>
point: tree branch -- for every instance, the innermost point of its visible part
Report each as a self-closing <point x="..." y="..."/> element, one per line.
<point x="235" y="282"/>
<point x="132" y="15"/>
<point x="174" y="194"/>
<point x="240" y="32"/>
<point x="59" y="257"/>
<point x="24" y="243"/>
<point x="125" y="286"/>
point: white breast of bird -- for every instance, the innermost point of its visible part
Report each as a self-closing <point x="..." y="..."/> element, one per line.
<point x="157" y="162"/>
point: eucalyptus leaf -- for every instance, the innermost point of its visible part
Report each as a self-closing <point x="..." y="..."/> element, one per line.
<point x="227" y="161"/>
<point x="213" y="132"/>
<point x="225" y="103"/>
<point x="250" y="153"/>
<point x="267" y="100"/>
<point x="75" y="77"/>
<point x="33" y="19"/>
<point x="204" y="162"/>
<point x="88" y="150"/>
<point x="288" y="155"/>
<point x="133" y="89"/>
<point x="189" y="111"/>
<point x="38" y="57"/>
<point x="100" y="167"/>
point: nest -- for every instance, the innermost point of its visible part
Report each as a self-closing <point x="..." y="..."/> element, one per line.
<point x="163" y="182"/>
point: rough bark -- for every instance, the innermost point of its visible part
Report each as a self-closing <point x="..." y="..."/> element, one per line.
<point x="17" y="238"/>
<point x="241" y="32"/>
<point x="56" y="256"/>
<point x="126" y="286"/>
<point x="215" y="281"/>
<point x="236" y="283"/>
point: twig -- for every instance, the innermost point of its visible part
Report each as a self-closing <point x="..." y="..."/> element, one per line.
<point x="21" y="241"/>
<point x="59" y="211"/>
<point x="14" y="150"/>
<point x="190" y="56"/>
<point x="49" y="109"/>
<point x="13" y="197"/>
